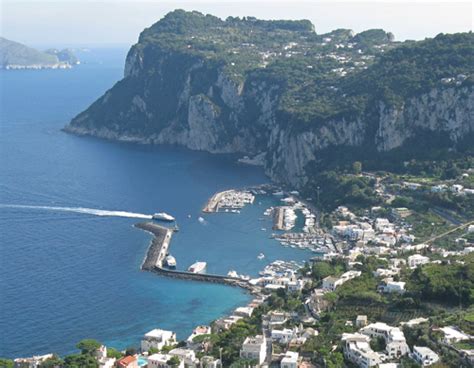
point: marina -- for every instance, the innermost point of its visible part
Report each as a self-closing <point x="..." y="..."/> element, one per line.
<point x="229" y="201"/>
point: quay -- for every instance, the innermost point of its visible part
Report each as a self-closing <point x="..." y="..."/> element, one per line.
<point x="158" y="250"/>
<point x="278" y="218"/>
<point x="159" y="245"/>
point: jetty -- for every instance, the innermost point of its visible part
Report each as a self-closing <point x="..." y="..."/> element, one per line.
<point x="159" y="245"/>
<point x="278" y="217"/>
<point x="158" y="250"/>
<point x="212" y="204"/>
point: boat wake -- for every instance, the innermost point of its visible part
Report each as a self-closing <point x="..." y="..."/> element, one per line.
<point x="84" y="210"/>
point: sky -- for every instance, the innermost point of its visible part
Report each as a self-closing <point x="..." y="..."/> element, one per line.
<point x="106" y="23"/>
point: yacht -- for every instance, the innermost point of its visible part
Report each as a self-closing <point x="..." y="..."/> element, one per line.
<point x="170" y="261"/>
<point x="163" y="216"/>
<point x="198" y="267"/>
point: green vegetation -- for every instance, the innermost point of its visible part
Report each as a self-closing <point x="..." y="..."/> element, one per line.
<point x="88" y="346"/>
<point x="6" y="363"/>
<point x="445" y="283"/>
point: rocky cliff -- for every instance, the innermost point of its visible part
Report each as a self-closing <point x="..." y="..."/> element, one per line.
<point x="176" y="91"/>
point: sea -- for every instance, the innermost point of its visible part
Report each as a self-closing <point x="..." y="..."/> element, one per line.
<point x="69" y="254"/>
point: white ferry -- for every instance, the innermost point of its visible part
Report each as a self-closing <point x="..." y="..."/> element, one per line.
<point x="198" y="267"/>
<point x="163" y="216"/>
<point x="170" y="261"/>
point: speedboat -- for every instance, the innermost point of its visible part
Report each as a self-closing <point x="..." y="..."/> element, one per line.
<point x="261" y="256"/>
<point x="163" y="216"/>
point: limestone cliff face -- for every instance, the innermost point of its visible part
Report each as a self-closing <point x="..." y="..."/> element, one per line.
<point x="449" y="110"/>
<point x="172" y="98"/>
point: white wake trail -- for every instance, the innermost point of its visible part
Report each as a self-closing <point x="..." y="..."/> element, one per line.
<point x="89" y="211"/>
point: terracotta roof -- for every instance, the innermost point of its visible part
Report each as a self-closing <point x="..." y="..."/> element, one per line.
<point x="124" y="362"/>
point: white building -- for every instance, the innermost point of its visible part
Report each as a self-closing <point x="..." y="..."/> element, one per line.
<point x="396" y="345"/>
<point x="424" y="356"/>
<point x="277" y="318"/>
<point x="157" y="339"/>
<point x="331" y="282"/>
<point x="210" y="362"/>
<point x="290" y="360"/>
<point x="161" y="361"/>
<point x="254" y="348"/>
<point x="283" y="336"/>
<point x="32" y="362"/>
<point x="198" y="331"/>
<point x="390" y="286"/>
<point x="361" y="320"/>
<point x="416" y="260"/>
<point x="101" y="356"/>
<point x="453" y="334"/>
<point x="357" y="350"/>
<point x="244" y="311"/>
<point x="187" y="356"/>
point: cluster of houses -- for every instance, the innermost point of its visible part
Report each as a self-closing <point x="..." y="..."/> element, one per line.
<point x="456" y="189"/>
<point x="380" y="233"/>
<point x="358" y="350"/>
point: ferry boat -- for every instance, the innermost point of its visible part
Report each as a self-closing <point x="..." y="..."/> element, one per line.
<point x="198" y="267"/>
<point x="163" y="216"/>
<point x="170" y="261"/>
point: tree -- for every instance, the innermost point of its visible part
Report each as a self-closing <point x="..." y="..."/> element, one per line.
<point x="88" y="346"/>
<point x="130" y="351"/>
<point x="174" y="362"/>
<point x="357" y="167"/>
<point x="80" y="361"/>
<point x="6" y="363"/>
<point x="378" y="344"/>
<point x="152" y="351"/>
<point x="113" y="353"/>
<point x="53" y="362"/>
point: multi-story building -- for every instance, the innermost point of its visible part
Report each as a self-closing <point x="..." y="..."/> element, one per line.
<point x="424" y="356"/>
<point x="396" y="345"/>
<point x="254" y="348"/>
<point x="157" y="339"/>
<point x="290" y="360"/>
<point x="357" y="350"/>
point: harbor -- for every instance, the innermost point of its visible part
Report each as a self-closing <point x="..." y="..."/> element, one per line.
<point x="158" y="251"/>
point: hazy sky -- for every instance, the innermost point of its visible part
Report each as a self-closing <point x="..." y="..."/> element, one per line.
<point x="106" y="22"/>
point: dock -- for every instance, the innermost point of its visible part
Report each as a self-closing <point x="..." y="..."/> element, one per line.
<point x="278" y="218"/>
<point x="212" y="204"/>
<point x="158" y="250"/>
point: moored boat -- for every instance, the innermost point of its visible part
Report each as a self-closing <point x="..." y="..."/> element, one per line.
<point x="198" y="267"/>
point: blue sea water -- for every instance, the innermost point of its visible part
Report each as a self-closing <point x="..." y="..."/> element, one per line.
<point x="66" y="276"/>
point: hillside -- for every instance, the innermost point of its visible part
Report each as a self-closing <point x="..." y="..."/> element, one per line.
<point x="14" y="55"/>
<point x="251" y="86"/>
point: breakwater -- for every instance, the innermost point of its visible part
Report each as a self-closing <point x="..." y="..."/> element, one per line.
<point x="158" y="250"/>
<point x="159" y="244"/>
